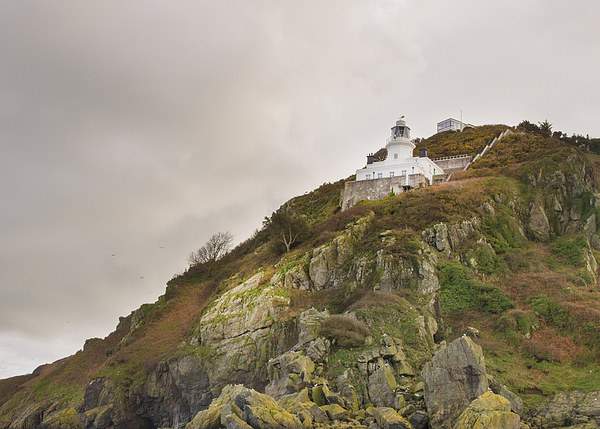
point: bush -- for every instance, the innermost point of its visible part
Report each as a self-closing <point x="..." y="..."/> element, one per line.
<point x="552" y="312"/>
<point x="460" y="292"/>
<point x="344" y="330"/>
<point x="500" y="234"/>
<point x="570" y="251"/>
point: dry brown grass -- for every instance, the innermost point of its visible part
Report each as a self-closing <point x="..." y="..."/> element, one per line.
<point x="375" y="299"/>
<point x="344" y="330"/>
<point x="546" y="344"/>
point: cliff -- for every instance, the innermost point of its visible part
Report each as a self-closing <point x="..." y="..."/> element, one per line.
<point x="361" y="324"/>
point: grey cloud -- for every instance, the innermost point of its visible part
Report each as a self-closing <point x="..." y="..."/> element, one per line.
<point x="129" y="125"/>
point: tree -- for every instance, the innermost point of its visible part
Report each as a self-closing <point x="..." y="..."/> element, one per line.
<point x="208" y="255"/>
<point x="545" y="128"/>
<point x="287" y="227"/>
<point x="529" y="127"/>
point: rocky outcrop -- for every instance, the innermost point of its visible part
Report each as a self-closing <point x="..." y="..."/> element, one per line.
<point x="174" y="392"/>
<point x="240" y="407"/>
<point x="567" y="409"/>
<point x="488" y="411"/>
<point x="67" y="418"/>
<point x="446" y="238"/>
<point x="454" y="377"/>
<point x="538" y="222"/>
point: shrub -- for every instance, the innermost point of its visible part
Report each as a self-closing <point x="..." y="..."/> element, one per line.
<point x="344" y="330"/>
<point x="551" y="311"/>
<point x="460" y="292"/>
<point x="570" y="251"/>
<point x="500" y="234"/>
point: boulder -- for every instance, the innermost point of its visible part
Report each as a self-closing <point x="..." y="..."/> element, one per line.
<point x="381" y="386"/>
<point x="294" y="401"/>
<point x="489" y="411"/>
<point x="516" y="403"/>
<point x="538" y="222"/>
<point x="419" y="420"/>
<point x="288" y="373"/>
<point x="257" y="410"/>
<point x="388" y="418"/>
<point x="335" y="411"/>
<point x="453" y="378"/>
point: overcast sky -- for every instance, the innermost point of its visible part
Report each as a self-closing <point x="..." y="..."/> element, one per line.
<point x="139" y="128"/>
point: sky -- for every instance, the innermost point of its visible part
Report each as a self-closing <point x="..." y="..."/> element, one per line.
<point x="132" y="130"/>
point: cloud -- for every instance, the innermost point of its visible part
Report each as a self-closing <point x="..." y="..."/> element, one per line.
<point x="140" y="128"/>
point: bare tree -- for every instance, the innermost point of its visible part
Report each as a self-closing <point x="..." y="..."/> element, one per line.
<point x="215" y="248"/>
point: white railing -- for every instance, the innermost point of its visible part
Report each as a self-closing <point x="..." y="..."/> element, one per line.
<point x="451" y="157"/>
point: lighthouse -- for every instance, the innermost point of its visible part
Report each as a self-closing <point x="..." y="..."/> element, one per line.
<point x="399" y="160"/>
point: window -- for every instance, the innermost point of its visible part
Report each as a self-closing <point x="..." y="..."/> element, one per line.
<point x="413" y="170"/>
<point x="379" y="175"/>
<point x="391" y="174"/>
<point x="368" y="177"/>
<point x="404" y="172"/>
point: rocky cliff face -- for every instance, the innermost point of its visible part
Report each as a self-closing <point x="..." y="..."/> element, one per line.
<point x="269" y="351"/>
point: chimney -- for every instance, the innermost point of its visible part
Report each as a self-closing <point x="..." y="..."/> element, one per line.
<point x="370" y="159"/>
<point x="423" y="153"/>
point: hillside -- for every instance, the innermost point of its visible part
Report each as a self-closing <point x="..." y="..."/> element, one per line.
<point x="366" y="302"/>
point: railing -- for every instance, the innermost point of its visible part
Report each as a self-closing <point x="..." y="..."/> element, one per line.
<point x="394" y="138"/>
<point x="451" y="157"/>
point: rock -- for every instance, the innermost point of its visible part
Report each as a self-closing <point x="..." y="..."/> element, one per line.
<point x="419" y="420"/>
<point x="256" y="409"/>
<point x="345" y="386"/>
<point x="489" y="411"/>
<point x="331" y="397"/>
<point x="310" y="322"/>
<point x="318" y="350"/>
<point x="454" y="377"/>
<point x="516" y="403"/>
<point x="174" y="392"/>
<point x="388" y="418"/>
<point x="246" y="308"/>
<point x="297" y="278"/>
<point x="568" y="408"/>
<point x="335" y="412"/>
<point x="316" y="412"/>
<point x="98" y="392"/>
<point x="294" y="401"/>
<point x="289" y="373"/>
<point x="381" y="386"/>
<point x="231" y="419"/>
<point x="207" y="419"/>
<point x="67" y="418"/>
<point x="538" y="222"/>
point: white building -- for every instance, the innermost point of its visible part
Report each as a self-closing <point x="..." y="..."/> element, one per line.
<point x="452" y="124"/>
<point x="400" y="160"/>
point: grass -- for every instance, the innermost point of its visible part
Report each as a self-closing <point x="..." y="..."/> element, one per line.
<point x="344" y="331"/>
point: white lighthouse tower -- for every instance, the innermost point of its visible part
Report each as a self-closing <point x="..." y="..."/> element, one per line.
<point x="398" y="144"/>
<point x="400" y="160"/>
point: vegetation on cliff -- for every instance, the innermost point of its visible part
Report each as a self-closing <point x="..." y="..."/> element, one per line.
<point x="508" y="247"/>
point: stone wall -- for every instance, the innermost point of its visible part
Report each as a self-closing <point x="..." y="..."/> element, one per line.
<point x="453" y="162"/>
<point x="376" y="189"/>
